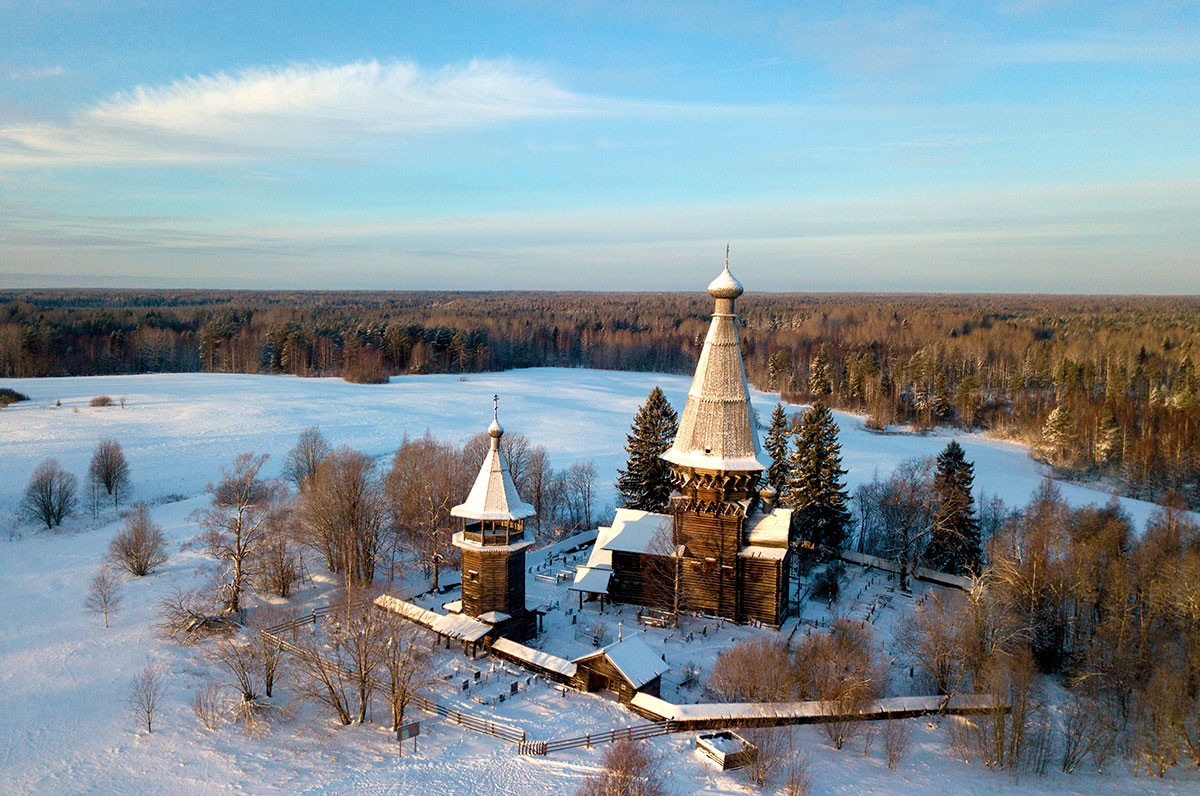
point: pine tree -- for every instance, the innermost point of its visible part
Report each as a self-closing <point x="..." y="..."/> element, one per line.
<point x="645" y="483"/>
<point x="954" y="545"/>
<point x="815" y="490"/>
<point x="778" y="437"/>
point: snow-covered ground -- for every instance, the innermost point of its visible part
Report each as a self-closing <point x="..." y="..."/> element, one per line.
<point x="64" y="729"/>
<point x="178" y="430"/>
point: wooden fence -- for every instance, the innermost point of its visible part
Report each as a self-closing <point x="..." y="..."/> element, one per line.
<point x="635" y="733"/>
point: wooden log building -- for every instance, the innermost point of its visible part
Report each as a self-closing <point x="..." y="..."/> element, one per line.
<point x="724" y="549"/>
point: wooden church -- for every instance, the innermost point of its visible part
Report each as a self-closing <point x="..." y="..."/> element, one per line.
<point x="724" y="548"/>
<point x="493" y="541"/>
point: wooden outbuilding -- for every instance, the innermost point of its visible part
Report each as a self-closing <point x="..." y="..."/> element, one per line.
<point x="624" y="668"/>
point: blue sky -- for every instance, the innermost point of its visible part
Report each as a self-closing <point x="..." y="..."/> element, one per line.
<point x="1008" y="146"/>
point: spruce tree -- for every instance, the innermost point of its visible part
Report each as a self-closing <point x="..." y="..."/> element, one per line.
<point x="820" y="378"/>
<point x="645" y="483"/>
<point x="815" y="490"/>
<point x="954" y="545"/>
<point x="778" y="437"/>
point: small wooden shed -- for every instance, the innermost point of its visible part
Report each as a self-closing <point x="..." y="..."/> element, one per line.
<point x="623" y="668"/>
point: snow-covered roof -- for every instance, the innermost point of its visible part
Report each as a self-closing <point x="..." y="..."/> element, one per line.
<point x="601" y="556"/>
<point x="457" y="626"/>
<point x="591" y="581"/>
<point x="733" y="712"/>
<point x="634" y="659"/>
<point x="920" y="573"/>
<point x="543" y="660"/>
<point x="717" y="430"/>
<point x="494" y="617"/>
<point x="755" y="551"/>
<point x="494" y="495"/>
<point x="453" y="607"/>
<point x="635" y="530"/>
<point x="770" y="529"/>
<point x="725" y="286"/>
<point x="459" y="539"/>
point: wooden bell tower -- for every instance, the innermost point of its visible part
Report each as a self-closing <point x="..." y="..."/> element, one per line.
<point x="493" y="542"/>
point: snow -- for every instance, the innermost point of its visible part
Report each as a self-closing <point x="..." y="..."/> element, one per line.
<point x="591" y="581"/>
<point x="456" y="626"/>
<point x="923" y="573"/>
<point x="734" y="712"/>
<point x="63" y="677"/>
<point x="758" y="551"/>
<point x="460" y="539"/>
<point x="716" y="426"/>
<point x="537" y="658"/>
<point x="179" y="430"/>
<point x="493" y="496"/>
<point x="633" y="531"/>
<point x="633" y="658"/>
<point x="770" y="529"/>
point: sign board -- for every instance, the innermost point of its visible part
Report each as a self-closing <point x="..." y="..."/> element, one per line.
<point x="408" y="731"/>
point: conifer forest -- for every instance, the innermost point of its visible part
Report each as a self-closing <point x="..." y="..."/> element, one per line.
<point x="1104" y="388"/>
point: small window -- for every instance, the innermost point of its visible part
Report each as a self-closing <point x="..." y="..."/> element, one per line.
<point x="472" y="575"/>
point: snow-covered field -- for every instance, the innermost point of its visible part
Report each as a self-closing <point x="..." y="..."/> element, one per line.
<point x="64" y="730"/>
<point x="179" y="429"/>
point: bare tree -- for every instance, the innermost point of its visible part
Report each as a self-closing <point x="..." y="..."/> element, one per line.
<point x="581" y="487"/>
<point x="665" y="571"/>
<point x="145" y="695"/>
<point x="359" y="634"/>
<point x="755" y="670"/>
<point x="50" y="494"/>
<point x="407" y="667"/>
<point x="897" y="733"/>
<point x="426" y="480"/>
<point x="239" y="659"/>
<point x="141" y="547"/>
<point x="999" y="738"/>
<point x="536" y="481"/>
<point x="839" y="669"/>
<point x="279" y="564"/>
<point x="186" y="615"/>
<point x="907" y="510"/>
<point x="770" y="757"/>
<point x="932" y="636"/>
<point x="631" y="768"/>
<point x="270" y="648"/>
<point x="110" y="470"/>
<point x="342" y="512"/>
<point x="104" y="594"/>
<point x="206" y="704"/>
<point x="302" y="461"/>
<point x="322" y="675"/>
<point x="1159" y="713"/>
<point x="797" y="776"/>
<point x="236" y="523"/>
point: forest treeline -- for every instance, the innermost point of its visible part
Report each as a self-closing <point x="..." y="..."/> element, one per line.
<point x="1103" y="386"/>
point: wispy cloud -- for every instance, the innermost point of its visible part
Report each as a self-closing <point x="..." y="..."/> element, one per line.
<point x="272" y="111"/>
<point x="37" y="72"/>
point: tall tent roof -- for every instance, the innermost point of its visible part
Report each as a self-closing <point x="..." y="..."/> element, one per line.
<point x="717" y="430"/>
<point x="494" y="496"/>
